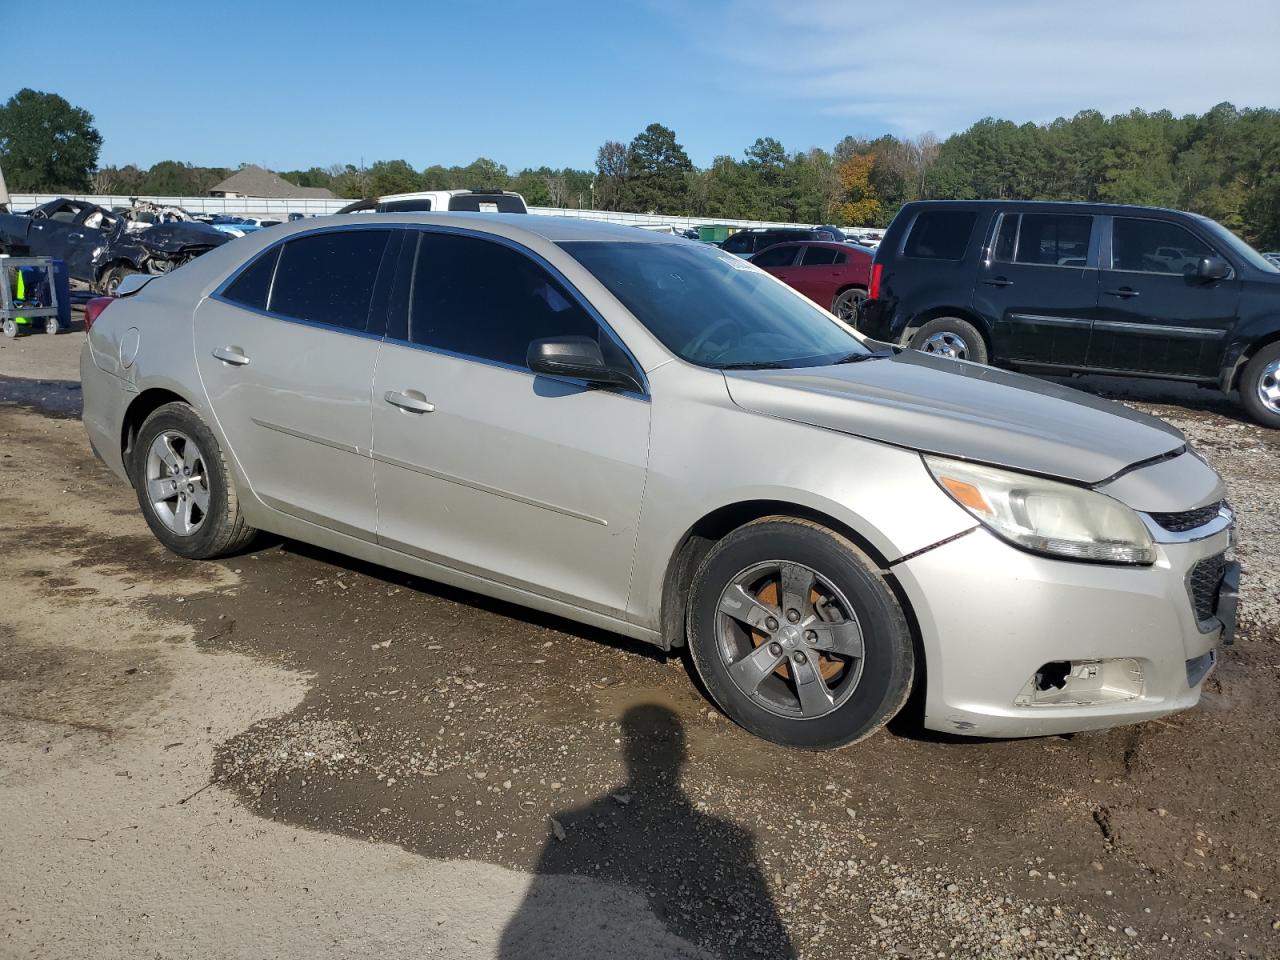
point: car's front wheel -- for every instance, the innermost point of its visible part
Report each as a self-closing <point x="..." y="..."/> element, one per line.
<point x="184" y="487"/>
<point x="1260" y="386"/>
<point x="796" y="635"/>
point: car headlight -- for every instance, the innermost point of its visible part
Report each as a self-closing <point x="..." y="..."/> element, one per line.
<point x="1044" y="516"/>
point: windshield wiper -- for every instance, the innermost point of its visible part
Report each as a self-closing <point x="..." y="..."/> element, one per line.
<point x="758" y="365"/>
<point x="859" y="357"/>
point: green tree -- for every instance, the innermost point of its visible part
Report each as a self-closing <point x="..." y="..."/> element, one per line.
<point x="393" y="176"/>
<point x="46" y="144"/>
<point x="656" y="169"/>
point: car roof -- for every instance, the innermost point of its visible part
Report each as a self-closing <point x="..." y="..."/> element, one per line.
<point x="554" y="229"/>
<point x="1071" y="206"/>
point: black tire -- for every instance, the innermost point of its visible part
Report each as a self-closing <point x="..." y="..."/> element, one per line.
<point x="888" y="661"/>
<point x="847" y="304"/>
<point x="111" y="277"/>
<point x="1261" y="374"/>
<point x="222" y="528"/>
<point x="964" y="339"/>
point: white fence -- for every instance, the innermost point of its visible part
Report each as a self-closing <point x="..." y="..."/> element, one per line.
<point x="281" y="208"/>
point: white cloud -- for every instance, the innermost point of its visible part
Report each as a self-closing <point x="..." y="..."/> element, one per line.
<point x="932" y="64"/>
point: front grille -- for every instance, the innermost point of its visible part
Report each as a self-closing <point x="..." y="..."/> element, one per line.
<point x="1185" y="520"/>
<point x="1203" y="584"/>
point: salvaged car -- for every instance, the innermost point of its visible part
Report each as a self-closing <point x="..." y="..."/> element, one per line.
<point x="100" y="247"/>
<point x="655" y="437"/>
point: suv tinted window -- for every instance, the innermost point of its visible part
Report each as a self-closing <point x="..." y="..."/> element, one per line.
<point x="488" y="202"/>
<point x="779" y="256"/>
<point x="411" y="205"/>
<point x="329" y="277"/>
<point x="254" y="283"/>
<point x="1154" y="246"/>
<point x="1060" y="240"/>
<point x="740" y="243"/>
<point x="818" y="257"/>
<point x="483" y="299"/>
<point x="940" y="235"/>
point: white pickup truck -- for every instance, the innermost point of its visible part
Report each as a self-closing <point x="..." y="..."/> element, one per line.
<point x="472" y="201"/>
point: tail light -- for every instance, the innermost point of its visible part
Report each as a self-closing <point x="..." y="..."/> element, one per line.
<point x="873" y="289"/>
<point x="93" y="310"/>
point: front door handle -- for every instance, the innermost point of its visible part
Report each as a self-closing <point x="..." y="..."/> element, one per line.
<point x="406" y="401"/>
<point x="232" y="355"/>
<point x="998" y="282"/>
<point x="1124" y="293"/>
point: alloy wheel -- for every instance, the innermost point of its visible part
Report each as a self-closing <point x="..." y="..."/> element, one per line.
<point x="1269" y="386"/>
<point x="177" y="482"/>
<point x="946" y="344"/>
<point x="790" y="640"/>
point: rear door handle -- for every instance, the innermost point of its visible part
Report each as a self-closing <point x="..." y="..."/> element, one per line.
<point x="406" y="401"/>
<point x="1124" y="293"/>
<point x="998" y="282"/>
<point x="232" y="355"/>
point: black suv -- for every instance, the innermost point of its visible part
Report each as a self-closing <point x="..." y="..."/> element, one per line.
<point x="1081" y="288"/>
<point x="746" y="242"/>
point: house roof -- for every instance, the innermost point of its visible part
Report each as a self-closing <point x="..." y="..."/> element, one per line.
<point x="251" y="181"/>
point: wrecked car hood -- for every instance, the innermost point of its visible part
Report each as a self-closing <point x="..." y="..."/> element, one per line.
<point x="963" y="410"/>
<point x="172" y="237"/>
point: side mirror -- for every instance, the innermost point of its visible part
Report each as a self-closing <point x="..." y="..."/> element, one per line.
<point x="579" y="358"/>
<point x="1209" y="269"/>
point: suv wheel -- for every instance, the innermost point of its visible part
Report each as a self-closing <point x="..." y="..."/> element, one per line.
<point x="184" y="487"/>
<point x="1260" y="386"/>
<point x="951" y="337"/>
<point x="797" y="637"/>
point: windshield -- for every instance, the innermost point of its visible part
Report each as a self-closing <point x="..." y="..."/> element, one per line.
<point x="1238" y="246"/>
<point x="714" y="309"/>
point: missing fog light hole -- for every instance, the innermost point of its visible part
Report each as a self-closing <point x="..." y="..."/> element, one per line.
<point x="1082" y="683"/>
<point x="1053" y="675"/>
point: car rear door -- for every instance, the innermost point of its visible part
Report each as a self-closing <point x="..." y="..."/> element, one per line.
<point x="1039" y="284"/>
<point x="286" y="350"/>
<point x="530" y="481"/>
<point x="1154" y="315"/>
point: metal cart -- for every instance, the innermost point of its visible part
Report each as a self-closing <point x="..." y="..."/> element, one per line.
<point x="29" y="296"/>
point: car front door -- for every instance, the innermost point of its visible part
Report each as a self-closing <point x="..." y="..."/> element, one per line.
<point x="50" y="227"/>
<point x="778" y="260"/>
<point x="1038" y="284"/>
<point x="286" y="350"/>
<point x="530" y="481"/>
<point x="1154" y="314"/>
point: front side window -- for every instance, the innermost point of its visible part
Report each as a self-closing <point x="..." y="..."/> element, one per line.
<point x="740" y="243"/>
<point x="818" y="257"/>
<point x="1053" y="239"/>
<point x="940" y="235"/>
<point x="779" y="256"/>
<point x="714" y="310"/>
<point x="483" y="299"/>
<point x="1154" y="246"/>
<point x="329" y="277"/>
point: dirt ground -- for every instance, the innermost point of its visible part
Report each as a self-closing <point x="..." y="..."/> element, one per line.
<point x="289" y="753"/>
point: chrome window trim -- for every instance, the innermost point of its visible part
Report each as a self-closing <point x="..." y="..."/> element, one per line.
<point x="577" y="296"/>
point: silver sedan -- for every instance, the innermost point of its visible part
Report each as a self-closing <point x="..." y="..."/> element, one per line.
<point x="652" y="436"/>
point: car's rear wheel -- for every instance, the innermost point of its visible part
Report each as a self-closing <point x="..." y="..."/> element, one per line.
<point x="847" y="304"/>
<point x="1260" y="386"/>
<point x="184" y="487"/>
<point x="796" y="635"/>
<point x="951" y="337"/>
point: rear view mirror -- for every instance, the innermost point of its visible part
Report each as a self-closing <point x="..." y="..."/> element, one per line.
<point x="1209" y="269"/>
<point x="579" y="358"/>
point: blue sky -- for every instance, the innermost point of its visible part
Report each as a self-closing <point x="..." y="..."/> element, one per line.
<point x="293" y="84"/>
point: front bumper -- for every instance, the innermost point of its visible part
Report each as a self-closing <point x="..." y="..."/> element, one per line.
<point x="991" y="616"/>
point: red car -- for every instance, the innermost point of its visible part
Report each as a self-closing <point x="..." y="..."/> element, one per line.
<point x="832" y="275"/>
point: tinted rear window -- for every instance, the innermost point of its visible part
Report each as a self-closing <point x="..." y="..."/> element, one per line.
<point x="254" y="283"/>
<point x="329" y="277"/>
<point x="487" y="202"/>
<point x="818" y="257"/>
<point x="419" y="204"/>
<point x="940" y="235"/>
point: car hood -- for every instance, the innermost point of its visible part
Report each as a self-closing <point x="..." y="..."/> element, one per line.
<point x="172" y="237"/>
<point x="965" y="410"/>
